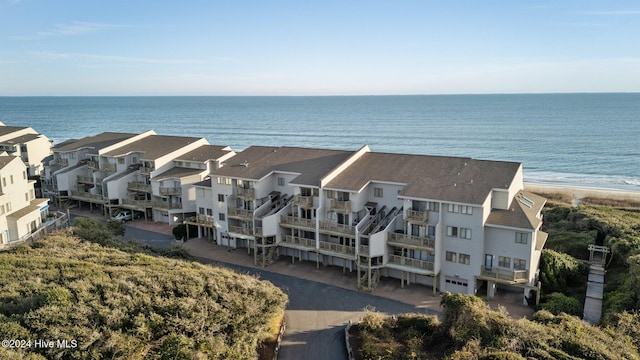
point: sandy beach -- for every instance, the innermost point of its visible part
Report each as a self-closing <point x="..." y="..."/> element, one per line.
<point x="577" y="194"/>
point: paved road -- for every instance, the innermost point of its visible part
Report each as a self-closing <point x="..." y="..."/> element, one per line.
<point x="317" y="313"/>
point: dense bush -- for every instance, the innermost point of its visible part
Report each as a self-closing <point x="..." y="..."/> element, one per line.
<point x="561" y="272"/>
<point x="470" y="330"/>
<point x="557" y="303"/>
<point x="180" y="231"/>
<point x="128" y="304"/>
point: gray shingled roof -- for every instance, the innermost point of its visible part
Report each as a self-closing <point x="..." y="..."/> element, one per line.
<point x="522" y="213"/>
<point x="178" y="172"/>
<point x="205" y="153"/>
<point x="203" y="183"/>
<point x="5" y="160"/>
<point x="454" y="179"/>
<point x="153" y="147"/>
<point x="260" y="161"/>
<point x="96" y="142"/>
<point x="22" y="139"/>
<point x="5" y="130"/>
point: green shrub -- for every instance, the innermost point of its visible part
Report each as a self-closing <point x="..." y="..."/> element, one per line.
<point x="557" y="303"/>
<point x="116" y="228"/>
<point x="561" y="272"/>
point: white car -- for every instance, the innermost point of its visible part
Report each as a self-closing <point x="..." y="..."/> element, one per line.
<point x="122" y="216"/>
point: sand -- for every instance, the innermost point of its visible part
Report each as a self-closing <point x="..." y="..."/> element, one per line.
<point x="576" y="194"/>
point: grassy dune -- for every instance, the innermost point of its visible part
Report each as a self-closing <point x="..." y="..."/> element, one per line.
<point x="129" y="304"/>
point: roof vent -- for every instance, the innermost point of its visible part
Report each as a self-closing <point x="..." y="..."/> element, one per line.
<point x="525" y="201"/>
<point x="454" y="184"/>
<point x="245" y="164"/>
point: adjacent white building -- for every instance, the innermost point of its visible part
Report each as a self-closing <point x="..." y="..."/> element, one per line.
<point x="21" y="213"/>
<point x="27" y="144"/>
<point x="455" y="224"/>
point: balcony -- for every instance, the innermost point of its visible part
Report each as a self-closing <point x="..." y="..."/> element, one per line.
<point x="243" y="193"/>
<point x="303" y="201"/>
<point x="363" y="250"/>
<point x="411" y="263"/>
<point x="406" y="240"/>
<point x="417" y="217"/>
<point x="337" y="248"/>
<point x="170" y="191"/>
<point x="202" y="220"/>
<point x="86" y="196"/>
<point x="93" y="165"/>
<point x="241" y="230"/>
<point x="138" y="204"/>
<point x="138" y="186"/>
<point x="504" y="275"/>
<point x="340" y="206"/>
<point x="165" y="205"/>
<point x="298" y="242"/>
<point x="337" y="229"/>
<point x="144" y="170"/>
<point x="239" y="213"/>
<point x="84" y="179"/>
<point x="111" y="168"/>
<point x="294" y="221"/>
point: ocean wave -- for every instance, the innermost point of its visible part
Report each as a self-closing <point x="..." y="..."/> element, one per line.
<point x="631" y="183"/>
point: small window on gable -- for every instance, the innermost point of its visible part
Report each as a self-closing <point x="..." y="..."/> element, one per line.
<point x="377" y="192"/>
<point x="280" y="181"/>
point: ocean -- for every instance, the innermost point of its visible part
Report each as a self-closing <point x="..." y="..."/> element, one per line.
<point x="588" y="140"/>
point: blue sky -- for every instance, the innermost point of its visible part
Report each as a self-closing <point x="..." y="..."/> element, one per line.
<point x="298" y="47"/>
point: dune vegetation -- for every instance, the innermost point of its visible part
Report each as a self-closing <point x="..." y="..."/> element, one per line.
<point x="120" y="301"/>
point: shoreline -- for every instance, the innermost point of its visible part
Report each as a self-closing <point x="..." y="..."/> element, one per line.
<point x="576" y="194"/>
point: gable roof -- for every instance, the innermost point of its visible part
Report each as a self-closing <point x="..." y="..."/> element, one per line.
<point x="454" y="179"/>
<point x="177" y="172"/>
<point x="205" y="153"/>
<point x="153" y="147"/>
<point x="6" y="130"/>
<point x="256" y="162"/>
<point x="522" y="213"/>
<point x="5" y="160"/>
<point x="95" y="142"/>
<point x="22" y="139"/>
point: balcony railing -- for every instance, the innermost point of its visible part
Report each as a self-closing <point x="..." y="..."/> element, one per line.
<point x="169" y="191"/>
<point x="138" y="186"/>
<point x="337" y="248"/>
<point x="416" y="216"/>
<point x="83" y="195"/>
<point x="410" y="262"/>
<point x="245" y="193"/>
<point x="517" y="276"/>
<point x="342" y="206"/>
<point x="240" y="230"/>
<point x="303" y="201"/>
<point x="239" y="213"/>
<point x="109" y="167"/>
<point x="138" y="203"/>
<point x="84" y="179"/>
<point x="396" y="239"/>
<point x="62" y="162"/>
<point x="299" y="242"/>
<point x="203" y="219"/>
<point x="93" y="165"/>
<point x="328" y="226"/>
<point x="257" y="230"/>
<point x="363" y="250"/>
<point x="165" y="205"/>
<point x="144" y="170"/>
<point x="296" y="221"/>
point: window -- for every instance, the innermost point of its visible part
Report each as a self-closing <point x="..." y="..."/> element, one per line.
<point x="210" y="212"/>
<point x="221" y="217"/>
<point x="464" y="259"/>
<point x="8" y="206"/>
<point x="24" y="175"/>
<point x="221" y="198"/>
<point x="223" y="181"/>
<point x="465" y="233"/>
<point x="121" y="161"/>
<point x="377" y="192"/>
<point x="26" y="196"/>
<point x="433" y="206"/>
<point x="466" y="210"/>
<point x="453" y="208"/>
<point x="201" y="211"/>
<point x="280" y="181"/>
<point x="418" y="205"/>
<point x="1" y="209"/>
<point x="431" y="230"/>
<point x="4" y="181"/>
<point x="519" y="264"/>
<point x="11" y="177"/>
<point x="451" y="256"/>
<point x="521" y="238"/>
<point x="504" y="261"/>
<point x="452" y="231"/>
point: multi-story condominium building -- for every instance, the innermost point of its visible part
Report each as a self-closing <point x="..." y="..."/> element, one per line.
<point x="455" y="224"/>
<point x="147" y="173"/>
<point x="28" y="145"/>
<point x="21" y="213"/>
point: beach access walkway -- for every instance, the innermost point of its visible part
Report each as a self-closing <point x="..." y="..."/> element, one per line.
<point x="595" y="284"/>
